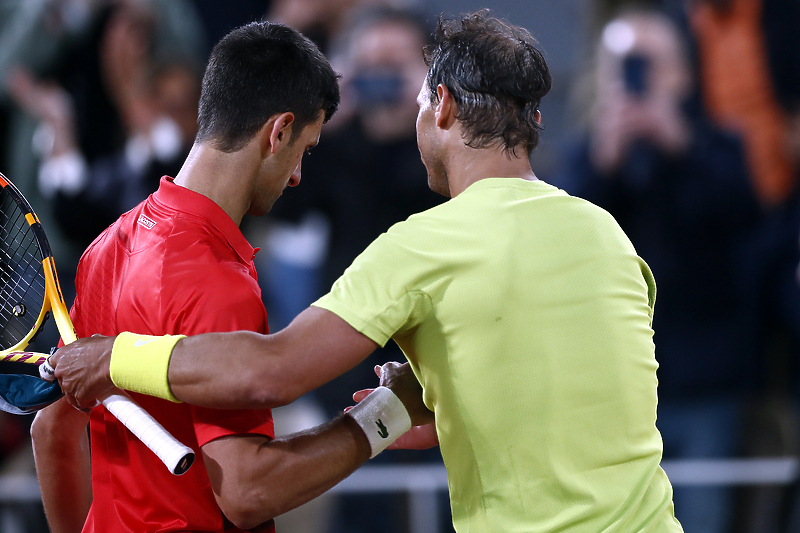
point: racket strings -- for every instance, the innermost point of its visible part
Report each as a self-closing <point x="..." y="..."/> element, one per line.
<point x="22" y="284"/>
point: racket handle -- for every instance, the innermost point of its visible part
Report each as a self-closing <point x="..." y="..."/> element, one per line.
<point x="175" y="455"/>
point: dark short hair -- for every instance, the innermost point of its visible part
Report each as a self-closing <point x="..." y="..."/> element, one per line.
<point x="257" y="71"/>
<point x="497" y="78"/>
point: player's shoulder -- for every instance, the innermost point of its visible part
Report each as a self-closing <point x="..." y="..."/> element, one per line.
<point x="206" y="273"/>
<point x="123" y="231"/>
<point x="197" y="254"/>
<point x="206" y="247"/>
<point x="114" y="236"/>
<point x="179" y="236"/>
<point x="203" y="294"/>
<point x="424" y="219"/>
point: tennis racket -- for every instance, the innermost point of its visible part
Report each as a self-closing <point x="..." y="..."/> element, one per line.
<point x="30" y="293"/>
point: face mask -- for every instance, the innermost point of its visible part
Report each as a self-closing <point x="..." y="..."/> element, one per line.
<point x="378" y="87"/>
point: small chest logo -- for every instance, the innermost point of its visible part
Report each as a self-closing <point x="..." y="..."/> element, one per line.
<point x="146" y="222"/>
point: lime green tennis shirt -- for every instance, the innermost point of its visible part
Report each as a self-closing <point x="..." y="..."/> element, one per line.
<point x="526" y="316"/>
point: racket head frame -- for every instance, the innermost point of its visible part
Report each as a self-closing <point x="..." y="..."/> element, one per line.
<point x="53" y="298"/>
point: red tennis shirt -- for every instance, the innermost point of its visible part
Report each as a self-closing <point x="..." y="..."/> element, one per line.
<point x="175" y="264"/>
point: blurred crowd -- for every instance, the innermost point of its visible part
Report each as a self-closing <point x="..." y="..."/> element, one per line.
<point x="684" y="124"/>
<point x="690" y="139"/>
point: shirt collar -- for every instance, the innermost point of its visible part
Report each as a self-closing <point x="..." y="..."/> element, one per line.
<point x="194" y="203"/>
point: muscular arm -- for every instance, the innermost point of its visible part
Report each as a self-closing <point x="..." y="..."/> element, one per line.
<point x="256" y="371"/>
<point x="61" y="452"/>
<point x="255" y="479"/>
<point x="266" y="370"/>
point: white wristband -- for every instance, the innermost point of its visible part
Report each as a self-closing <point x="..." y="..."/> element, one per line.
<point x="382" y="417"/>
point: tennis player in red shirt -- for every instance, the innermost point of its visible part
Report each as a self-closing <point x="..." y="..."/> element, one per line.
<point x="178" y="264"/>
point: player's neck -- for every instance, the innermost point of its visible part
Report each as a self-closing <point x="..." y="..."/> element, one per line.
<point x="470" y="165"/>
<point x="219" y="176"/>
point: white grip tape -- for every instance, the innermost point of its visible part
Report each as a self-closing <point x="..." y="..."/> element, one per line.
<point x="46" y="372"/>
<point x="176" y="456"/>
<point x="382" y="417"/>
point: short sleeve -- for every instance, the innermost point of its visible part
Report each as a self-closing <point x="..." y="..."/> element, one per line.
<point x="210" y="424"/>
<point x="385" y="290"/>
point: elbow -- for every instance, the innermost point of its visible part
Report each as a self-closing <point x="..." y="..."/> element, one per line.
<point x="45" y="423"/>
<point x="40" y="430"/>
<point x="270" y="393"/>
<point x="245" y="490"/>
<point x="57" y="424"/>
<point x="266" y="381"/>
<point x="273" y="385"/>
<point x="248" y="510"/>
<point x="243" y="518"/>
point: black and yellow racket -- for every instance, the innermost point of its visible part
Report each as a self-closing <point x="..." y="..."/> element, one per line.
<point x="30" y="293"/>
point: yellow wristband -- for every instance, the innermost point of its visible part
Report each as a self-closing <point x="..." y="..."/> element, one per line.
<point x="140" y="363"/>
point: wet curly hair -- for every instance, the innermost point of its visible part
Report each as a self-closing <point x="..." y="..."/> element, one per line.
<point x="496" y="75"/>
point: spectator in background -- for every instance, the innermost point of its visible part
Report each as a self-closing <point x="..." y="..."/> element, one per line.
<point x="218" y="18"/>
<point x="14" y="441"/>
<point x="16" y="459"/>
<point x="64" y="48"/>
<point x="323" y="21"/>
<point x="747" y="54"/>
<point x="320" y="20"/>
<point x="367" y="174"/>
<point x="747" y="59"/>
<point x="93" y="178"/>
<point x="680" y="189"/>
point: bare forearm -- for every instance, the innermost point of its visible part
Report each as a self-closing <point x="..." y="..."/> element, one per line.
<point x="237" y="370"/>
<point x="247" y="370"/>
<point x="284" y="473"/>
<point x="61" y="452"/>
<point x="233" y="370"/>
<point x="315" y="461"/>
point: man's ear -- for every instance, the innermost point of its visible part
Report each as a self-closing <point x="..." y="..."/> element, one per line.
<point x="276" y="132"/>
<point x="446" y="108"/>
